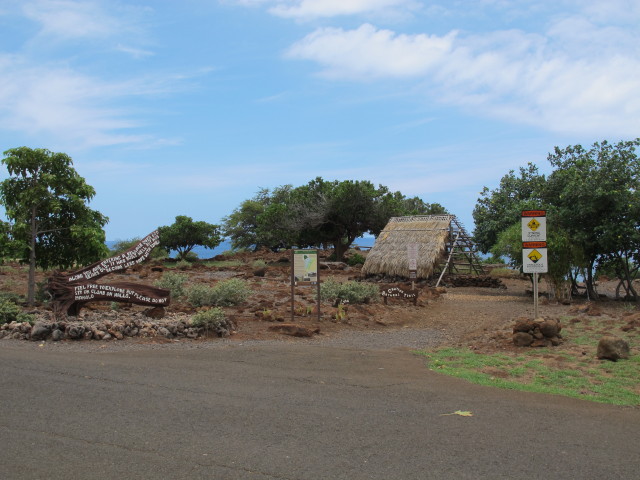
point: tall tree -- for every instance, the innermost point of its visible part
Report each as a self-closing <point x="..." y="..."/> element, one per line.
<point x="46" y="200"/>
<point x="596" y="195"/>
<point x="184" y="234"/>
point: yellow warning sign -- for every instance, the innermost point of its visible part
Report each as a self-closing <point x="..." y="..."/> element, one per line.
<point x="533" y="224"/>
<point x="534" y="256"/>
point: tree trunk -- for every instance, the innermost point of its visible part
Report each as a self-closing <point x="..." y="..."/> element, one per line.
<point x="591" y="291"/>
<point x="31" y="282"/>
<point x="627" y="279"/>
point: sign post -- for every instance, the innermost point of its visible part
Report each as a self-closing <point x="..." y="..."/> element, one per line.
<point x="534" y="248"/>
<point x="304" y="271"/>
<point x="412" y="256"/>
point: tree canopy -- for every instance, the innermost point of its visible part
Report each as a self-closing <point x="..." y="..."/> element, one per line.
<point x="592" y="198"/>
<point x="319" y="213"/>
<point x="46" y="203"/>
<point x="184" y="234"/>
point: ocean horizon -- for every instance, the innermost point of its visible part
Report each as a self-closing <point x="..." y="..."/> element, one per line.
<point x="225" y="246"/>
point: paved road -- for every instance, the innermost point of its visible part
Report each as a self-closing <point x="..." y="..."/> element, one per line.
<point x="290" y="412"/>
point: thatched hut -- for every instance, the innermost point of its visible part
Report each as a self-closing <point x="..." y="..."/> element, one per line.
<point x="437" y="238"/>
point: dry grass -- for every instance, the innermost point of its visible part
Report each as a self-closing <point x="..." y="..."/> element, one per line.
<point x="389" y="254"/>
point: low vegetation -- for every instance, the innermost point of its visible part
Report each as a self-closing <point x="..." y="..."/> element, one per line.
<point x="213" y="320"/>
<point x="571" y="370"/>
<point x="224" y="294"/>
<point x="348" y="292"/>
<point x="174" y="282"/>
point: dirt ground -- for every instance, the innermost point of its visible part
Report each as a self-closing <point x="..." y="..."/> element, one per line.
<point x="479" y="317"/>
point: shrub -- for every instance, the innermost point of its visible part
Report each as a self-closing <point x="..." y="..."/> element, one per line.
<point x="10" y="312"/>
<point x="231" y="292"/>
<point x="183" y="265"/>
<point x="259" y="264"/>
<point x="200" y="295"/>
<point x="213" y="320"/>
<point x="224" y="294"/>
<point x="352" y="292"/>
<point x="174" y="282"/>
<point x="355" y="259"/>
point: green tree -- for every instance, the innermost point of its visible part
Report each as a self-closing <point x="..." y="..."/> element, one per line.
<point x="319" y="213"/>
<point x="184" y="234"/>
<point x="592" y="198"/>
<point x="596" y="195"/>
<point x="498" y="209"/>
<point x="8" y="247"/>
<point x="243" y="226"/>
<point x="46" y="200"/>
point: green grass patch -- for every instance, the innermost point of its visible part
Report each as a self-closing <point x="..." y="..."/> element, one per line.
<point x="542" y="372"/>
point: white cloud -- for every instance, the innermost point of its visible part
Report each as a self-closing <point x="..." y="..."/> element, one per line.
<point x="577" y="77"/>
<point x="312" y="9"/>
<point x="72" y="19"/>
<point x="332" y="8"/>
<point x="368" y="52"/>
<point x="71" y="107"/>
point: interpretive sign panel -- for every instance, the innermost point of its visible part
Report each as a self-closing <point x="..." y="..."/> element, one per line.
<point x="305" y="267"/>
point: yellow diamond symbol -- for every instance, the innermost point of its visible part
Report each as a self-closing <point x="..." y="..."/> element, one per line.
<point x="533" y="224"/>
<point x="534" y="256"/>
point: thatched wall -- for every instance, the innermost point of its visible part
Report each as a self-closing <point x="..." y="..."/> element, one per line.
<point x="389" y="253"/>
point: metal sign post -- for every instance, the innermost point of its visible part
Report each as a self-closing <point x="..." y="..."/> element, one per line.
<point x="534" y="248"/>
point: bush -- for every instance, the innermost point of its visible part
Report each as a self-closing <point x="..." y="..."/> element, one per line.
<point x="259" y="264"/>
<point x="355" y="259"/>
<point x="183" y="265"/>
<point x="352" y="292"/>
<point x="10" y="312"/>
<point x="200" y="295"/>
<point x="223" y="294"/>
<point x="213" y="320"/>
<point x="174" y="282"/>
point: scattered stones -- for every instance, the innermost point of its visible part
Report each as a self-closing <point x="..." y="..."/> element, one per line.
<point x="94" y="326"/>
<point x="612" y="348"/>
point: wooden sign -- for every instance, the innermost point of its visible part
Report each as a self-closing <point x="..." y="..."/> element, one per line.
<point x="71" y="291"/>
<point x="397" y="292"/>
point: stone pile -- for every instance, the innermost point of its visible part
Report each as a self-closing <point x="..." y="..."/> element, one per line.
<point x="92" y="326"/>
<point x="537" y="333"/>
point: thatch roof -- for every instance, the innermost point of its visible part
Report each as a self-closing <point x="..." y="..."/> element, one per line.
<point x="389" y="254"/>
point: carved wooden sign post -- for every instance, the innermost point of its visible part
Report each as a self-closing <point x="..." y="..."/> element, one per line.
<point x="70" y="291"/>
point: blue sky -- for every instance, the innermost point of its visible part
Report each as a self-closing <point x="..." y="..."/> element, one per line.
<point x="189" y="107"/>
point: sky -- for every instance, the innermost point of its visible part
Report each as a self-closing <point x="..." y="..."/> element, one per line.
<point x="189" y="107"/>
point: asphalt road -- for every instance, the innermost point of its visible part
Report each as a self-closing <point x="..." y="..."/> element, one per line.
<point x="290" y="412"/>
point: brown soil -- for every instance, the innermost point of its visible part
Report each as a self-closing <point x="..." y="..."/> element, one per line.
<point x="481" y="318"/>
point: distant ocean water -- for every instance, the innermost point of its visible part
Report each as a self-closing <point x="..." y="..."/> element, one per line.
<point x="203" y="252"/>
